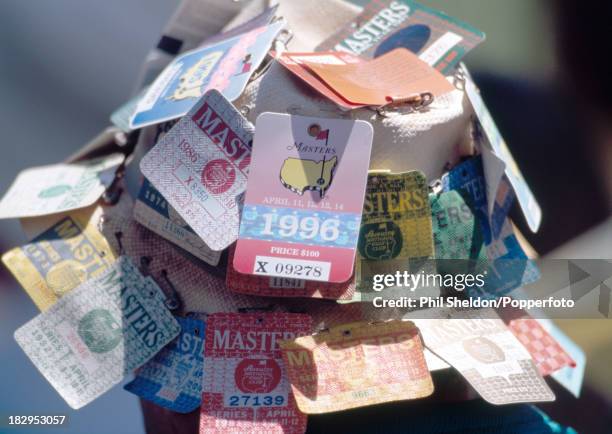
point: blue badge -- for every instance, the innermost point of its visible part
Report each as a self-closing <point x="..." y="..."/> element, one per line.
<point x="173" y="378"/>
<point x="226" y="66"/>
<point x="509" y="266"/>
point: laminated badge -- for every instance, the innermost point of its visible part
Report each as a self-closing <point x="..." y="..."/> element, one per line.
<point x="173" y="378"/>
<point x="58" y="188"/>
<point x="509" y="267"/>
<point x="153" y="211"/>
<point x="484" y="351"/>
<point x="284" y="286"/>
<point x="200" y="166"/>
<point x="304" y="200"/>
<point x="356" y="365"/>
<point x="438" y="39"/>
<point x="226" y="65"/>
<point x="396" y="229"/>
<point x="98" y="333"/>
<point x="391" y="78"/>
<point x="458" y="239"/>
<point x="296" y="63"/>
<point x="64" y="255"/>
<point x="245" y="386"/>
<point x="546" y="352"/>
<point x="396" y="222"/>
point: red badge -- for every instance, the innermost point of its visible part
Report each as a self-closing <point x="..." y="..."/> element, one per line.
<point x="245" y="386"/>
<point x="285" y="287"/>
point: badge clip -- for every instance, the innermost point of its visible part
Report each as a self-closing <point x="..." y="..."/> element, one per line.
<point x="415" y="103"/>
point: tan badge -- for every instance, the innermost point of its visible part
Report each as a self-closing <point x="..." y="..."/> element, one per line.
<point x="356" y="365"/>
<point x="61" y="257"/>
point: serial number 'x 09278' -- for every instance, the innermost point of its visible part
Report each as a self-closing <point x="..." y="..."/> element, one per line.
<point x="295" y="268"/>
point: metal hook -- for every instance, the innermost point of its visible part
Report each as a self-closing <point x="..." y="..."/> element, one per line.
<point x="118" y="236"/>
<point x="173" y="300"/>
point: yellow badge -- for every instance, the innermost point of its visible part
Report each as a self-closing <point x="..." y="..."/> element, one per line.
<point x="60" y="258"/>
<point x="396" y="222"/>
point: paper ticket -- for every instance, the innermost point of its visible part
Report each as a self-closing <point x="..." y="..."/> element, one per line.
<point x="393" y="76"/>
<point x="396" y="220"/>
<point x="438" y="39"/>
<point x="486" y="353"/>
<point x="284" y="286"/>
<point x="173" y="378"/>
<point x="59" y="187"/>
<point x="245" y="386"/>
<point x="153" y="211"/>
<point x="296" y="63"/>
<point x="226" y="65"/>
<point x="60" y="258"/>
<point x="356" y="365"/>
<point x="200" y="166"/>
<point x="95" y="335"/>
<point x="304" y="200"/>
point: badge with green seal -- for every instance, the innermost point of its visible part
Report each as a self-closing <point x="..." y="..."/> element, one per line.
<point x="91" y="338"/>
<point x="396" y="220"/>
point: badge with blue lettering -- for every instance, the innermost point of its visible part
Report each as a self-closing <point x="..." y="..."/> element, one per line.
<point x="245" y="386"/>
<point x="226" y="66"/>
<point x="60" y="258"/>
<point x="153" y="211"/>
<point x="98" y="333"/>
<point x="200" y="166"/>
<point x="304" y="201"/>
<point x="509" y="267"/>
<point x="173" y="378"/>
<point x="438" y="39"/>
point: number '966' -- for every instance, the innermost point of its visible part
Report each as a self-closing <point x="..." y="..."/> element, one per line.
<point x="305" y="228"/>
<point x="256" y="400"/>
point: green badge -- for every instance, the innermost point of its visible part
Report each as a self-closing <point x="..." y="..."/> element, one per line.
<point x="458" y="238"/>
<point x="100" y="331"/>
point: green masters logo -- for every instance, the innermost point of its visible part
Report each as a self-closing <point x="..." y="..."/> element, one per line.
<point x="380" y="241"/>
<point x="99" y="330"/>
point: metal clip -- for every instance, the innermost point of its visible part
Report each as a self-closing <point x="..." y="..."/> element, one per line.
<point x="435" y="186"/>
<point x="284" y="37"/>
<point x="145" y="261"/>
<point x="173" y="298"/>
<point x="118" y="236"/>
<point x="113" y="193"/>
<point x="414" y="103"/>
<point x="460" y="77"/>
